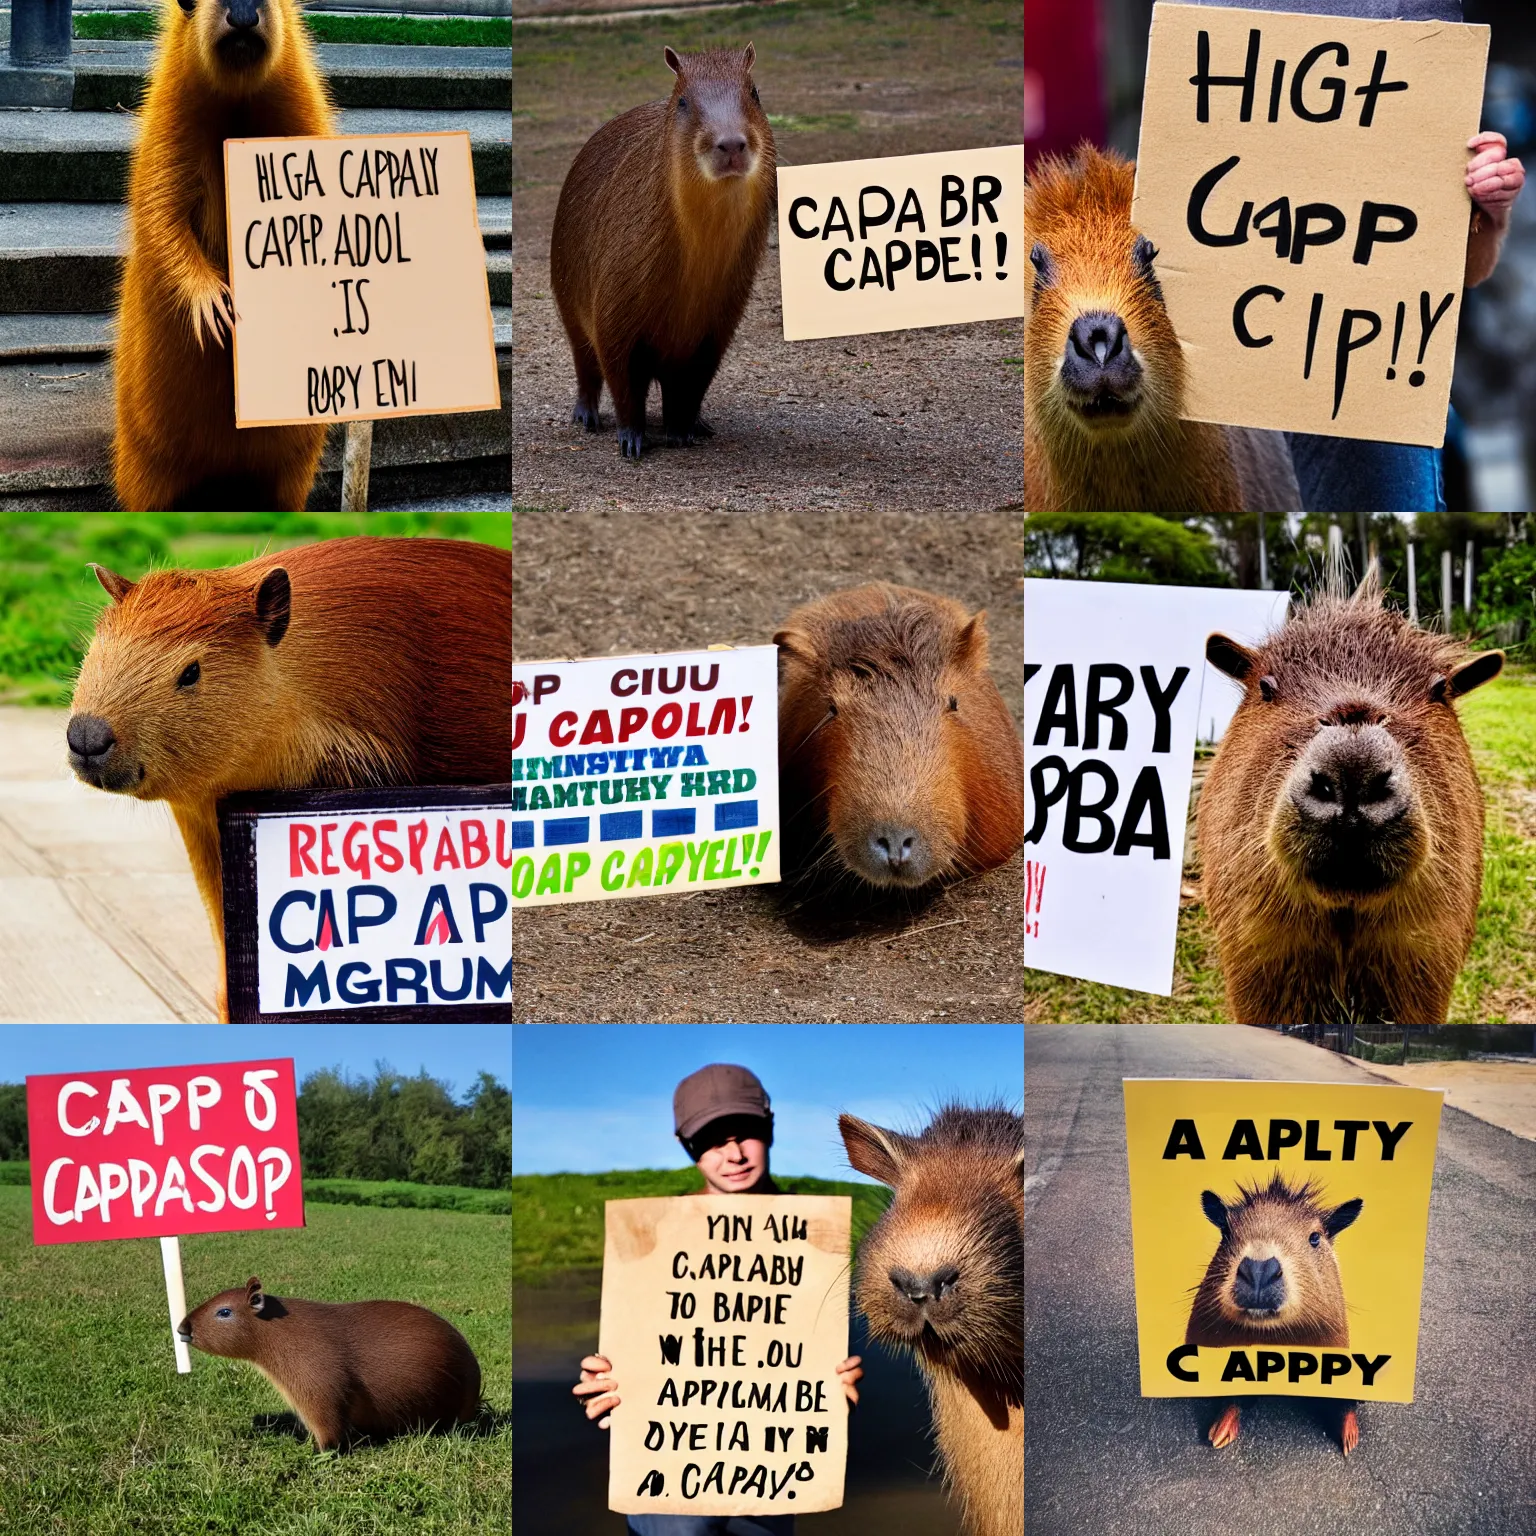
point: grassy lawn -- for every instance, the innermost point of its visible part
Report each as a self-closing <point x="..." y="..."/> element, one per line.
<point x="49" y="600"/>
<point x="1498" y="983"/>
<point x="557" y="1218"/>
<point x="99" y="1435"/>
<point x="439" y="31"/>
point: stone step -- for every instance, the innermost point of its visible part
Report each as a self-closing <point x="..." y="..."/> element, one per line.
<point x="82" y="157"/>
<point x="111" y="75"/>
<point x="65" y="257"/>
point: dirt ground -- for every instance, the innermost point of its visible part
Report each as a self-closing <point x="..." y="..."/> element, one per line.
<point x="907" y="420"/>
<point x="1501" y="1092"/>
<point x="584" y="584"/>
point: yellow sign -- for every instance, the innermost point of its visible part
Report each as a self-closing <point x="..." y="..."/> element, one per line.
<point x="1278" y="1233"/>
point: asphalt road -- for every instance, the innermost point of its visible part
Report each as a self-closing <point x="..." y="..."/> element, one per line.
<point x="1099" y="1458"/>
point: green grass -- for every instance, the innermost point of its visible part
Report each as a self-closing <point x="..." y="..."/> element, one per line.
<point x="100" y="1436"/>
<point x="49" y="599"/>
<point x="435" y="31"/>
<point x="557" y="1218"/>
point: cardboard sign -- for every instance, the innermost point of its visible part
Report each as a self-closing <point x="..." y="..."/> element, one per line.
<point x="1302" y="178"/>
<point x="725" y="1318"/>
<point x="387" y="905"/>
<point x="644" y="775"/>
<point x="907" y="241"/>
<point x="357" y="270"/>
<point x="160" y="1151"/>
<point x="1278" y="1233"/>
<point x="1112" y="687"/>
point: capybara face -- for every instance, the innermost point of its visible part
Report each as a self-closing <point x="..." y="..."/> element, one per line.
<point x="228" y="1324"/>
<point x="942" y="1271"/>
<point x="716" y="113"/>
<point x="1348" y="750"/>
<point x="239" y="41"/>
<point x="174" y="688"/>
<point x="1100" y="353"/>
<point x="1273" y="1276"/>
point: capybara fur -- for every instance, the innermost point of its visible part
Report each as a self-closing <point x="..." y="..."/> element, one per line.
<point x="893" y="739"/>
<point x="351" y="662"/>
<point x="942" y="1274"/>
<point x="1104" y="376"/>
<point x="350" y="1370"/>
<point x="1341" y="824"/>
<point x="660" y="227"/>
<point x="225" y="69"/>
<point x="1273" y="1281"/>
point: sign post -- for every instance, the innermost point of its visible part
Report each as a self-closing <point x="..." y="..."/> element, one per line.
<point x="176" y="1299"/>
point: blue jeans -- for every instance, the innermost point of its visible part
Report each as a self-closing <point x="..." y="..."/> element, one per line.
<point x="712" y="1525"/>
<point x="1343" y="474"/>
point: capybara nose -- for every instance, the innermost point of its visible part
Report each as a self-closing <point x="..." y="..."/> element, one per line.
<point x="921" y="1289"/>
<point x="1356" y="779"/>
<point x="243" y="15"/>
<point x="1259" y="1285"/>
<point x="893" y="847"/>
<point x="1099" y="358"/>
<point x="89" y="736"/>
<point x="732" y="145"/>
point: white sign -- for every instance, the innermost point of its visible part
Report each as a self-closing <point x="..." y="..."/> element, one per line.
<point x="369" y="908"/>
<point x="644" y="775"/>
<point x="1112" y="695"/>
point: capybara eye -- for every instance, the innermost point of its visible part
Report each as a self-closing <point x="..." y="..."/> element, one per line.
<point x="831" y="708"/>
<point x="755" y="96"/>
<point x="682" y="102"/>
<point x="1045" y="268"/>
<point x="1321" y="788"/>
<point x="1315" y="1238"/>
<point x="190" y="676"/>
<point x="1438" y="690"/>
<point x="1268" y="688"/>
<point x="954" y="703"/>
<point x="222" y="1312"/>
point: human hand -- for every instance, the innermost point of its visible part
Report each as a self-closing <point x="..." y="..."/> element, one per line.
<point x="595" y="1377"/>
<point x="1494" y="180"/>
<point x="849" y="1373"/>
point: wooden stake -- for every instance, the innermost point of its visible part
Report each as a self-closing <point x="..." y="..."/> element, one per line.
<point x="354" y="466"/>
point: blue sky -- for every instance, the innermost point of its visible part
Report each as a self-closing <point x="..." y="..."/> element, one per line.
<point x="455" y="1053"/>
<point x="590" y="1097"/>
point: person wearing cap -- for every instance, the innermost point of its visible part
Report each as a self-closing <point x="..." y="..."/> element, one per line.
<point x="722" y="1116"/>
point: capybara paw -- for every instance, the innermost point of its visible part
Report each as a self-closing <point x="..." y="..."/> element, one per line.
<point x="1225" y="1430"/>
<point x="585" y="415"/>
<point x="1349" y="1431"/>
<point x="213" y="315"/>
<point x="631" y="442"/>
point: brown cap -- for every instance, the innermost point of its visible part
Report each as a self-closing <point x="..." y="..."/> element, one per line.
<point x="715" y="1091"/>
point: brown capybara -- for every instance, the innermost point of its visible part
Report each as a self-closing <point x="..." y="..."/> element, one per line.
<point x="226" y="69"/>
<point x="942" y="1274"/>
<point x="351" y="662"/>
<point x="1341" y="824"/>
<point x="1104" y="374"/>
<point x="349" y="1369"/>
<point x="893" y="738"/>
<point x="660" y="227"/>
<point x="1274" y="1280"/>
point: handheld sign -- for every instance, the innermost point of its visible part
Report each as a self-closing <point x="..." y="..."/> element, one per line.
<point x="357" y="271"/>
<point x="1113" y="675"/>
<point x="725" y="1318"/>
<point x="1278" y="1232"/>
<point x="644" y="775"/>
<point x="1302" y="178"/>
<point x="902" y="242"/>
<point x="383" y="905"/>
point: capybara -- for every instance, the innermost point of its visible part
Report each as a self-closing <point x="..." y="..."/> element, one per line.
<point x="348" y="1369"/>
<point x="225" y="69"/>
<point x="1274" y="1280"/>
<point x="942" y="1274"/>
<point x="350" y="662"/>
<point x="1104" y="375"/>
<point x="893" y="738"/>
<point x="660" y="227"/>
<point x="1341" y="824"/>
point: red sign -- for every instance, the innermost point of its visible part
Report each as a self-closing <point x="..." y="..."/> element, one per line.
<point x="164" y="1151"/>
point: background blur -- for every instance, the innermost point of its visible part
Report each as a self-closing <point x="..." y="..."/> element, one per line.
<point x="1084" y="64"/>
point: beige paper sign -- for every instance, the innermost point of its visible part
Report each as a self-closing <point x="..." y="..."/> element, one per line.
<point x="357" y="271"/>
<point x="725" y="1318"/>
<point x="1302" y="178"/>
<point x="902" y="242"/>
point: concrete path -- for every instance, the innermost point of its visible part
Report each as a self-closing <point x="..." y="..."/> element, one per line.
<point x="1501" y="1092"/>
<point x="100" y="920"/>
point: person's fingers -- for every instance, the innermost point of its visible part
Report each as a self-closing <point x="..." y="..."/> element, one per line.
<point x="1488" y="136"/>
<point x="1486" y="161"/>
<point x="590" y="1384"/>
<point x="597" y="1363"/>
<point x="602" y="1405"/>
<point x="604" y="1423"/>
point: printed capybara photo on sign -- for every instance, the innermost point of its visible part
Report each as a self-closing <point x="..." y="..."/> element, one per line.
<point x="353" y="662"/>
<point x="349" y="1370"/>
<point x="660" y="227"/>
<point x="1341" y="824"/>
<point x="1274" y="1280"/>
<point x="941" y="1274"/>
<point x="896" y="751"/>
<point x="224" y="69"/>
<point x="1104" y="374"/>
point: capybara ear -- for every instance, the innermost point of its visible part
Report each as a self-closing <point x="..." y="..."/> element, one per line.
<point x="748" y="56"/>
<point x="797" y="645"/>
<point x="673" y="62"/>
<point x="1341" y="1216"/>
<point x="971" y="644"/>
<point x="873" y="1151"/>
<point x="1369" y="590"/>
<point x="255" y="1297"/>
<point x="274" y="602"/>
<point x="1229" y="657"/>
<point x="1215" y="1209"/>
<point x="1474" y="673"/>
<point x="117" y="587"/>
